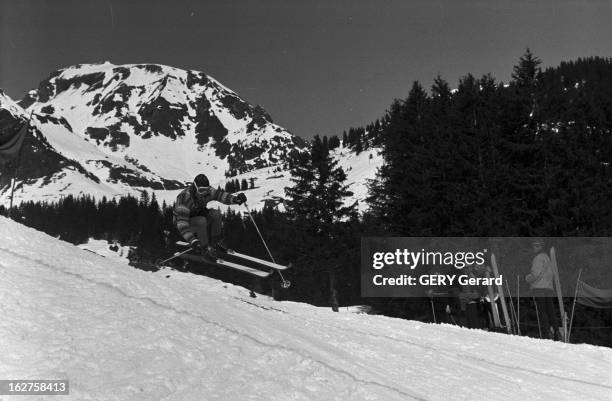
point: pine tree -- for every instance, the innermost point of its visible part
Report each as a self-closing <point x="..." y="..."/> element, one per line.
<point x="396" y="195"/>
<point x="315" y="206"/>
<point x="334" y="142"/>
<point x="527" y="73"/>
<point x="319" y="188"/>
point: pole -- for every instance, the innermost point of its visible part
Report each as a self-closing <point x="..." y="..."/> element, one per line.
<point x="518" y="305"/>
<point x="553" y="259"/>
<point x="12" y="192"/>
<point x="176" y="255"/>
<point x="433" y="310"/>
<point x="285" y="283"/>
<point x="259" y="232"/>
<point x="512" y="311"/>
<point x="569" y="331"/>
<point x="537" y="316"/>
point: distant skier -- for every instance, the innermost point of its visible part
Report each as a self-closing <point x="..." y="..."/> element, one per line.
<point x="540" y="280"/>
<point x="193" y="219"/>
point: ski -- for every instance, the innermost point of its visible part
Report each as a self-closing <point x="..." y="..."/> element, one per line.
<point x="225" y="263"/>
<point x="493" y="302"/>
<point x="500" y="291"/>
<point x="253" y="259"/>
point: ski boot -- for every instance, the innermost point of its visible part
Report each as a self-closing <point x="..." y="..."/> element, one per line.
<point x="210" y="255"/>
<point x="221" y="247"/>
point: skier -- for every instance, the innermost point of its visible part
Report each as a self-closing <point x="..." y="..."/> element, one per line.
<point x="540" y="280"/>
<point x="193" y="219"/>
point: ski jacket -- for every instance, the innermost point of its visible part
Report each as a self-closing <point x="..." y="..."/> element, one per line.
<point x="189" y="205"/>
<point x="541" y="275"/>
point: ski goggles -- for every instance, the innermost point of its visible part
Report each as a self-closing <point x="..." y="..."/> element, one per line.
<point x="202" y="190"/>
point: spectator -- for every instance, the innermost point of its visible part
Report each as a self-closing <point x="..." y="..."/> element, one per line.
<point x="540" y="280"/>
<point x="471" y="297"/>
<point x="445" y="298"/>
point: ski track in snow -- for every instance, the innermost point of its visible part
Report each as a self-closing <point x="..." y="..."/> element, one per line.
<point x="123" y="334"/>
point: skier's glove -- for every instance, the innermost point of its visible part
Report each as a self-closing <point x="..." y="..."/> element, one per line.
<point x="240" y="199"/>
<point x="196" y="245"/>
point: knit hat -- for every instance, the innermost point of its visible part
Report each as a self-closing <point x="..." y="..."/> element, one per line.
<point x="201" y="181"/>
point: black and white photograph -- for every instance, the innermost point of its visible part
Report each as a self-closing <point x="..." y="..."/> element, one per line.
<point x="306" y="200"/>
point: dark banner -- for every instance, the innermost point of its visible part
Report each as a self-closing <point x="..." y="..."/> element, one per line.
<point x="449" y="266"/>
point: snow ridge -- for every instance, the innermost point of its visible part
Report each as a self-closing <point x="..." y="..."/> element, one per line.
<point x="8" y="104"/>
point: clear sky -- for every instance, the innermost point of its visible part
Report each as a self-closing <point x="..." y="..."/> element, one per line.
<point x="316" y="66"/>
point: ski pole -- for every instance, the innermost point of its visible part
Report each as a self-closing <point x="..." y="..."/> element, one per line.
<point x="176" y="255"/>
<point x="433" y="310"/>
<point x="512" y="312"/>
<point x="518" y="305"/>
<point x="569" y="331"/>
<point x="286" y="283"/>
<point x="537" y="316"/>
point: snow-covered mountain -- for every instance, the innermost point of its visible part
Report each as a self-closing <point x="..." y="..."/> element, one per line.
<point x="118" y="333"/>
<point x="43" y="172"/>
<point x="9" y="109"/>
<point x="111" y="130"/>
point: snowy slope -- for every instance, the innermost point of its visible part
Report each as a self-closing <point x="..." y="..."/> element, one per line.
<point x="269" y="185"/>
<point x="122" y="334"/>
<point x="359" y="170"/>
<point x="8" y="104"/>
<point x="113" y="251"/>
